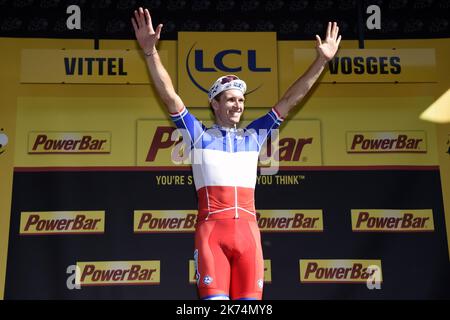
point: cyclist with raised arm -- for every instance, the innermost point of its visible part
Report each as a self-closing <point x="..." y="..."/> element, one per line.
<point x="228" y="254"/>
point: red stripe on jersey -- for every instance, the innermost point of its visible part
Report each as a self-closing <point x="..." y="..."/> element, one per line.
<point x="277" y="114"/>
<point x="178" y="112"/>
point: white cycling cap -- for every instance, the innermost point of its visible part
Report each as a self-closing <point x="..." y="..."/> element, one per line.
<point x="227" y="82"/>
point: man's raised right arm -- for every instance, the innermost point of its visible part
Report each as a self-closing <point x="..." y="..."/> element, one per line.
<point x="147" y="39"/>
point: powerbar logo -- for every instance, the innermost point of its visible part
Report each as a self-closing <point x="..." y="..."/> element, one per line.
<point x="381" y="142"/>
<point x="168" y="138"/>
<point x="69" y="142"/>
<point x="160" y="144"/>
<point x="62" y="222"/>
<point x="164" y="221"/>
<point x="290" y="220"/>
<point x="267" y="271"/>
<point x="268" y="221"/>
<point x="370" y="220"/>
<point x="340" y="271"/>
<point x="109" y="273"/>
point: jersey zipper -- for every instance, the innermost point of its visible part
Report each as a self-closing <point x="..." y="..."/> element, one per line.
<point x="236" y="214"/>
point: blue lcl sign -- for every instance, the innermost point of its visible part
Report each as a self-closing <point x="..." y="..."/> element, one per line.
<point x="219" y="64"/>
<point x="205" y="56"/>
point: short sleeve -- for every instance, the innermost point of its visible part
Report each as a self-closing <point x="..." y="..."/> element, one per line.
<point x="264" y="125"/>
<point x="193" y="128"/>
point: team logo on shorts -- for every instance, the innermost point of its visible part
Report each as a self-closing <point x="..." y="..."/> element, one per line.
<point x="207" y="280"/>
<point x="260" y="283"/>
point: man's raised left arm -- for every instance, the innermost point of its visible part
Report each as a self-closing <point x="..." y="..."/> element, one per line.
<point x="326" y="50"/>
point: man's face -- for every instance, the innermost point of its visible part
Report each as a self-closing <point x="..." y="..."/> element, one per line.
<point x="229" y="108"/>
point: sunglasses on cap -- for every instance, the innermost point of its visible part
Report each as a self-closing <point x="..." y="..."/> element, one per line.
<point x="227" y="82"/>
<point x="228" y="78"/>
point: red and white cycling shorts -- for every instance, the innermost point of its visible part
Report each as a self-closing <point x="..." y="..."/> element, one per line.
<point x="228" y="258"/>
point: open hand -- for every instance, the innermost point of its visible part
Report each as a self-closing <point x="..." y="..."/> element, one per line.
<point x="328" y="48"/>
<point x="146" y="36"/>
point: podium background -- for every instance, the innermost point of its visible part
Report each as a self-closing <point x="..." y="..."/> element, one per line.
<point x="415" y="265"/>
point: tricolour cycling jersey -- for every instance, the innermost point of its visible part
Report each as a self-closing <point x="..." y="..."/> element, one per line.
<point x="224" y="163"/>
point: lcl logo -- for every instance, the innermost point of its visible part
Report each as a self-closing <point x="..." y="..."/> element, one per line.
<point x="218" y="64"/>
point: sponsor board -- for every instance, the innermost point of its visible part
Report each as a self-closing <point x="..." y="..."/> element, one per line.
<point x="387" y="220"/>
<point x="69" y="142"/>
<point x="85" y="66"/>
<point x="159" y="143"/>
<point x="387" y="141"/>
<point x="62" y="222"/>
<point x="168" y="221"/>
<point x="252" y="56"/>
<point x="374" y="65"/>
<point x="164" y="221"/>
<point x="340" y="271"/>
<point x="108" y="273"/>
<point x="267" y="271"/>
<point x="290" y="220"/>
